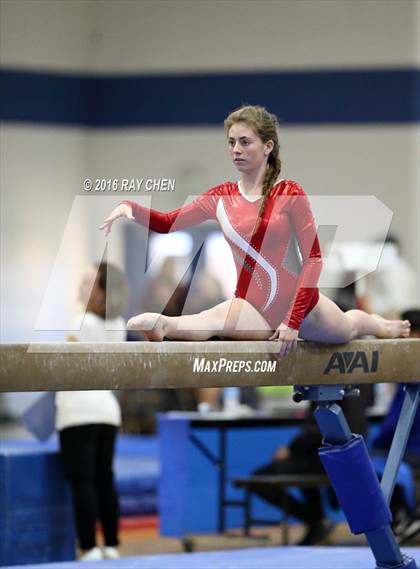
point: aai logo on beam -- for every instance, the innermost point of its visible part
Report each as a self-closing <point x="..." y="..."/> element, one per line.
<point x="347" y="362"/>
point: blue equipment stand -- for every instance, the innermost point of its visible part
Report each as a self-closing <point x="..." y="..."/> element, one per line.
<point x="335" y="431"/>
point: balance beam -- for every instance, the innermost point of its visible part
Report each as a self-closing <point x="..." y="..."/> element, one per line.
<point x="68" y="366"/>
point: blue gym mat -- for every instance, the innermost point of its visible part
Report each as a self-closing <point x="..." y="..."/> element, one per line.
<point x="265" y="558"/>
<point x="136" y="468"/>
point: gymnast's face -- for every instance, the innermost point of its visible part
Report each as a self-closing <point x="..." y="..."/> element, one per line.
<point x="247" y="150"/>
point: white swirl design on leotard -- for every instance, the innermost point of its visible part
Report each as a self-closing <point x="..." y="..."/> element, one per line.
<point x="248" y="249"/>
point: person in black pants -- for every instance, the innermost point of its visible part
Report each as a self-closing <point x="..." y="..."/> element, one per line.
<point x="88" y="421"/>
<point x="301" y="457"/>
<point x="87" y="453"/>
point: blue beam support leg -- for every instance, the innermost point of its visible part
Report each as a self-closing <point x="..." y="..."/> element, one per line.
<point x="335" y="431"/>
<point x="399" y="442"/>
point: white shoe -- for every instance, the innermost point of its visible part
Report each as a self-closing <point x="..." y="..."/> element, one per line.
<point x="111" y="553"/>
<point x="94" y="554"/>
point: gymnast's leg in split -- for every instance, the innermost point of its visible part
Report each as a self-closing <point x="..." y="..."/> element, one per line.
<point x="237" y="319"/>
<point x="327" y="323"/>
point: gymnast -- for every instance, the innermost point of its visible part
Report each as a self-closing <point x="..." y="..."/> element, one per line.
<point x="270" y="228"/>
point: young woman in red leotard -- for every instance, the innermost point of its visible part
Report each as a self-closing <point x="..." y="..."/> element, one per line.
<point x="270" y="228"/>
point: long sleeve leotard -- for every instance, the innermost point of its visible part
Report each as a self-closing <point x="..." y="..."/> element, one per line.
<point x="278" y="264"/>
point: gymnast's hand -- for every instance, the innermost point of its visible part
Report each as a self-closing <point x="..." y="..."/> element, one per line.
<point x="288" y="338"/>
<point x="122" y="210"/>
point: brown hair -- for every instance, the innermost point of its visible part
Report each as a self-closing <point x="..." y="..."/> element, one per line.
<point x="114" y="284"/>
<point x="265" y="125"/>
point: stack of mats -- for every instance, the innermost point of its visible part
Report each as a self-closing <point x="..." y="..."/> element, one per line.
<point x="137" y="470"/>
<point x="36" y="518"/>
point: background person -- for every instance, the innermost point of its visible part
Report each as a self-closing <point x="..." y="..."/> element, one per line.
<point x="390" y="290"/>
<point x="406" y="523"/>
<point x="88" y="421"/>
<point x="301" y="457"/>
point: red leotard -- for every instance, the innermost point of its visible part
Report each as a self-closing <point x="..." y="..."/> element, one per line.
<point x="278" y="266"/>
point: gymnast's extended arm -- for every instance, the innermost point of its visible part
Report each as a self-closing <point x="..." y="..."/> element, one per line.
<point x="201" y="209"/>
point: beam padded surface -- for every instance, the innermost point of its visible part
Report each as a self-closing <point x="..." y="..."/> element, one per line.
<point x="134" y="365"/>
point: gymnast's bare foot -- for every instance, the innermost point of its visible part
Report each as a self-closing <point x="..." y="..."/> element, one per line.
<point x="392" y="328"/>
<point x="153" y="325"/>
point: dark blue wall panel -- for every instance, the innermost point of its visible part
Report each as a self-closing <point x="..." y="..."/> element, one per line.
<point x="298" y="98"/>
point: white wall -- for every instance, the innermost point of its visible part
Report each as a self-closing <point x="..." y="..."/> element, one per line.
<point x="206" y="35"/>
<point x="124" y="36"/>
<point x="45" y="34"/>
<point x="40" y="169"/>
